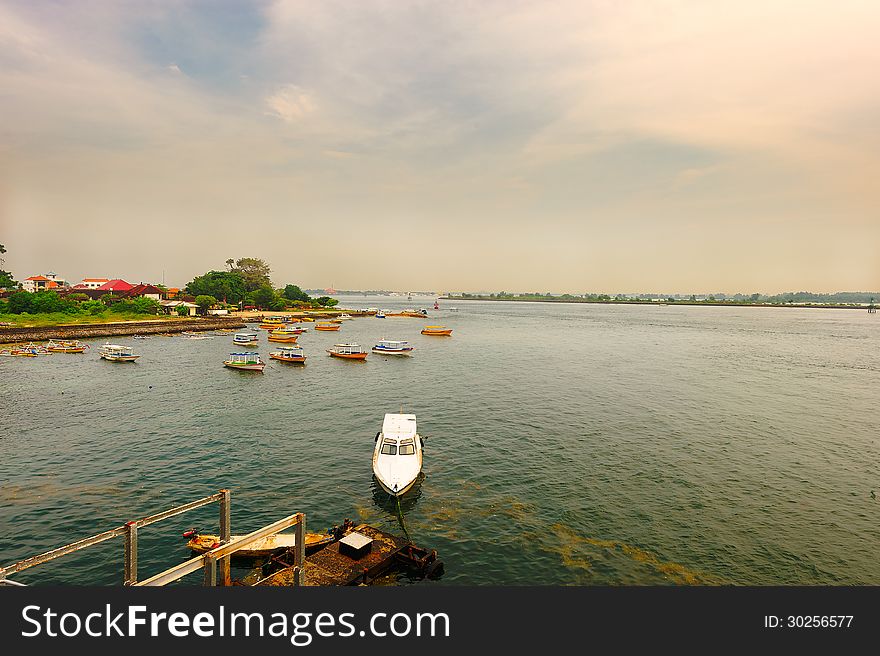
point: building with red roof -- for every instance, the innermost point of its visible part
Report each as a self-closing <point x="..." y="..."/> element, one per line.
<point x="115" y="285"/>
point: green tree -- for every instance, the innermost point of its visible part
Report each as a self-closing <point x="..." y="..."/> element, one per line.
<point x="92" y="307"/>
<point x="254" y="271"/>
<point x="144" y="305"/>
<point x="46" y="302"/>
<point x="294" y="293"/>
<point x="205" y="301"/>
<point x="20" y="302"/>
<point x="6" y="279"/>
<point x="326" y="301"/>
<point x="264" y="296"/>
<point x="226" y="285"/>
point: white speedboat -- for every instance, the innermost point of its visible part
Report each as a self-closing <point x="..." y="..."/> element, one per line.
<point x="397" y="457"/>
<point x="117" y="353"/>
<point x="392" y="347"/>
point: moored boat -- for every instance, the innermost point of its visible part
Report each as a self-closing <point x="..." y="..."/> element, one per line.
<point x="397" y="456"/>
<point x="245" y="362"/>
<point x="327" y="326"/>
<point x="437" y="330"/>
<point x="380" y="314"/>
<point x="261" y="548"/>
<point x="289" y="354"/>
<point x="285" y="337"/>
<point x="30" y="350"/>
<point x="66" y="346"/>
<point x="348" y="352"/>
<point x="245" y="339"/>
<point x="117" y="353"/>
<point x="392" y="347"/>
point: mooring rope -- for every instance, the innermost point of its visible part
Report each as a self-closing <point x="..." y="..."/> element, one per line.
<point x="401" y="520"/>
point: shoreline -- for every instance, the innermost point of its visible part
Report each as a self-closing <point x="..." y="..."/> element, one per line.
<point x="814" y="306"/>
<point x="24" y="334"/>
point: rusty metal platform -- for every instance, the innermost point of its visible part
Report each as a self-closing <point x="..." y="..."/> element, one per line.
<point x="331" y="568"/>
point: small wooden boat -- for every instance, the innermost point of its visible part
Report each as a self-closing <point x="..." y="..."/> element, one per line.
<point x="117" y="353"/>
<point x="245" y="339"/>
<point x="327" y="326"/>
<point x="412" y="313"/>
<point x="397" y="456"/>
<point x="245" y="362"/>
<point x="344" y="317"/>
<point x="437" y="330"/>
<point x="380" y="314"/>
<point x="66" y="346"/>
<point x="278" y="336"/>
<point x="348" y="352"/>
<point x="290" y="329"/>
<point x="192" y="335"/>
<point x="261" y="548"/>
<point x="293" y="354"/>
<point x="392" y="347"/>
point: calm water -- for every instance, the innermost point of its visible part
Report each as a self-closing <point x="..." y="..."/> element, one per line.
<point x="585" y="444"/>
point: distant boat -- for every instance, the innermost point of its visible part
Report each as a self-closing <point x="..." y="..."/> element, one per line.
<point x="327" y="326"/>
<point x="245" y="362"/>
<point x="245" y="339"/>
<point x="117" y="353"/>
<point x="440" y="331"/>
<point x="380" y="314"/>
<point x="436" y="305"/>
<point x="344" y="317"/>
<point x="66" y="346"/>
<point x="348" y="352"/>
<point x="392" y="347"/>
<point x="141" y="337"/>
<point x="397" y="456"/>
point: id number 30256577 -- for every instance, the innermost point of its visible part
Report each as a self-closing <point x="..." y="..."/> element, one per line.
<point x="808" y="621"/>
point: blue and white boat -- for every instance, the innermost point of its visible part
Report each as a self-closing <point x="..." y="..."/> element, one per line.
<point x="246" y="339"/>
<point x="380" y="314"/>
<point x="392" y="347"/>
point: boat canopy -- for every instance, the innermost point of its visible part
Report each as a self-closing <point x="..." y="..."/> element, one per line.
<point x="244" y="357"/>
<point x="347" y="349"/>
<point x="390" y="343"/>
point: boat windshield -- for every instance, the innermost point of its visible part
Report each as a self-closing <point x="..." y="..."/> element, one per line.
<point x="407" y="449"/>
<point x="389" y="449"/>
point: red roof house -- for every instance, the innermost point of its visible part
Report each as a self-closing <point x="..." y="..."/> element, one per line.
<point x="150" y="291"/>
<point x="116" y="285"/>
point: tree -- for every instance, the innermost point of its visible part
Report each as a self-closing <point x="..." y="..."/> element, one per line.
<point x="294" y="293"/>
<point x="20" y="302"/>
<point x="264" y="296"/>
<point x="226" y="285"/>
<point x="205" y="301"/>
<point x="254" y="271"/>
<point x="326" y="301"/>
<point x="6" y="279"/>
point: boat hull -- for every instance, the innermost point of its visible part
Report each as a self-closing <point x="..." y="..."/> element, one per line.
<point x="438" y="333"/>
<point x="120" y="358"/>
<point x="333" y="327"/>
<point x="348" y="356"/>
<point x="392" y="351"/>
<point x="287" y="339"/>
<point x="261" y="548"/>
<point x="295" y="360"/>
<point x="246" y="367"/>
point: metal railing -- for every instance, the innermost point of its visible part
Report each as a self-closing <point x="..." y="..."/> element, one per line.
<point x="130" y="531"/>
<point x="208" y="560"/>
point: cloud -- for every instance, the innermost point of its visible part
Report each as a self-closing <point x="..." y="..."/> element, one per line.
<point x="290" y="103"/>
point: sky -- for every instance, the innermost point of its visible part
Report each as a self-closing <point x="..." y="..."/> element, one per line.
<point x="571" y="146"/>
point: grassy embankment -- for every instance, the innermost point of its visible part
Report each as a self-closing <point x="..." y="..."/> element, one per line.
<point x="64" y="319"/>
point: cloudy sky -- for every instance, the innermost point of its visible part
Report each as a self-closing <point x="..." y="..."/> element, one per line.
<point x="565" y="146"/>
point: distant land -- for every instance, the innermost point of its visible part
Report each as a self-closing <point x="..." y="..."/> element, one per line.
<point x="788" y="299"/>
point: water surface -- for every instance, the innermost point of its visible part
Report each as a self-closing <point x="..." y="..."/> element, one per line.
<point x="567" y="444"/>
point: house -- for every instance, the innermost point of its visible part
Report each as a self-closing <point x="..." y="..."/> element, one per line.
<point x="171" y="292"/>
<point x="148" y="291"/>
<point x="115" y="286"/>
<point x="170" y="307"/>
<point x="42" y="283"/>
<point x="91" y="283"/>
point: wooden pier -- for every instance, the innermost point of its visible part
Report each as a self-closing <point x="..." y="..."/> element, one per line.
<point x="328" y="566"/>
